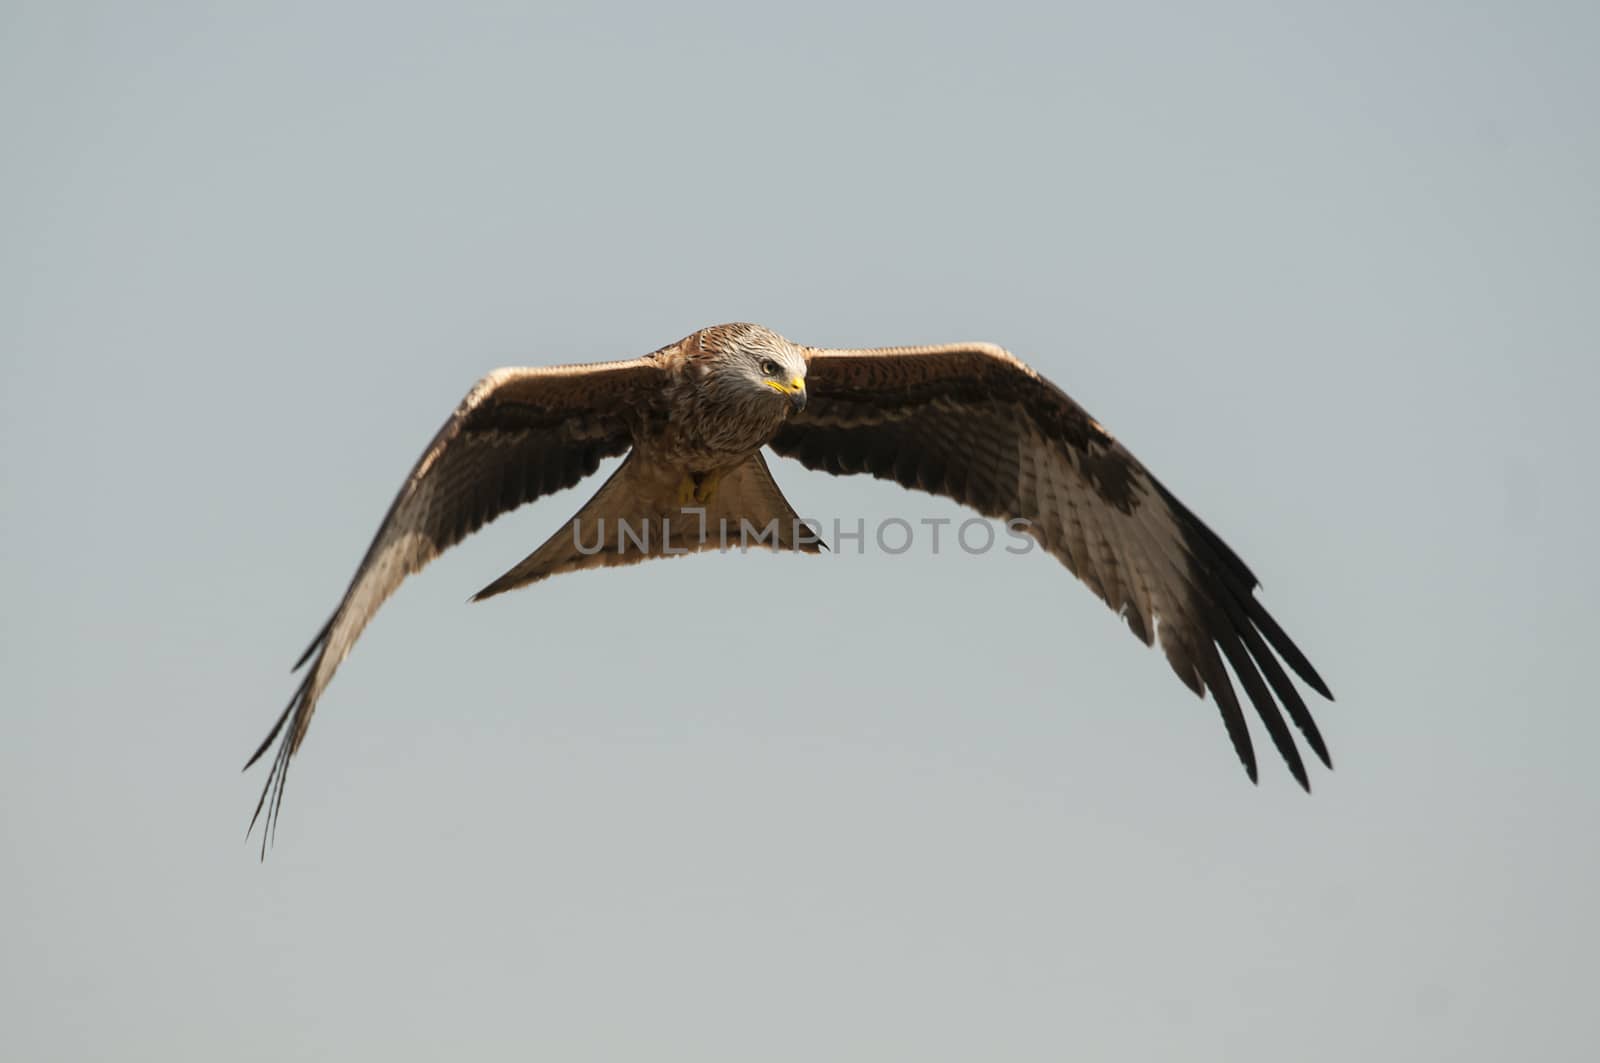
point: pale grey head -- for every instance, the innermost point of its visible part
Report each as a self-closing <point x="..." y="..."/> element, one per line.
<point x="751" y="367"/>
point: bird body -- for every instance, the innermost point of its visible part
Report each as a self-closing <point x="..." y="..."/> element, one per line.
<point x="966" y="421"/>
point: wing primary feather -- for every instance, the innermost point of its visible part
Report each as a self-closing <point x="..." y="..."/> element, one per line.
<point x="1266" y="708"/>
<point x="1287" y="694"/>
<point x="260" y="802"/>
<point x="322" y="636"/>
<point x="1209" y="597"/>
<point x="1218" y="553"/>
<point x="266" y="743"/>
<point x="1214" y="554"/>
<point x="1228" y="705"/>
<point x="1285" y="646"/>
<point x="1218" y="557"/>
<point x="271" y="799"/>
<point x="1216" y="592"/>
<point x="279" y="780"/>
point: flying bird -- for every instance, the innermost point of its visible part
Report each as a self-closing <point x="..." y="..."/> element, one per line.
<point x="968" y="421"/>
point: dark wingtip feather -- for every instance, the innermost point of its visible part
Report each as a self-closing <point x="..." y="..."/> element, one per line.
<point x="1210" y="543"/>
<point x="1224" y="594"/>
<point x="267" y="741"/>
<point x="1285" y="646"/>
<point x="271" y="799"/>
<point x="1287" y="694"/>
<point x="1228" y="705"/>
<point x="490" y="591"/>
<point x="1256" y="690"/>
<point x="283" y="718"/>
<point x="316" y="643"/>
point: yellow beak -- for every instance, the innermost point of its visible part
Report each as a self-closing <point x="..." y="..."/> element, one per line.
<point x="795" y="389"/>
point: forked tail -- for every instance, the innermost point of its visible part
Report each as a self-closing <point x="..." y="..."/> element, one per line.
<point x="648" y="510"/>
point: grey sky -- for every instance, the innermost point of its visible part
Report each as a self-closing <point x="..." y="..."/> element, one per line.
<point x="1330" y="271"/>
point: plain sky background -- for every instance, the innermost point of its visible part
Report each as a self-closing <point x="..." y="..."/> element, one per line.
<point x="1332" y="271"/>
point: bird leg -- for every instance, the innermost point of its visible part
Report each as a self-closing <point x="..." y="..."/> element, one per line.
<point x="699" y="487"/>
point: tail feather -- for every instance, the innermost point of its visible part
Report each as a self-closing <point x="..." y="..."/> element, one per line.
<point x="636" y="515"/>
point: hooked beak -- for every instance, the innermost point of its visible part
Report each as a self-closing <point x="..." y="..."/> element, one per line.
<point x="794" y="389"/>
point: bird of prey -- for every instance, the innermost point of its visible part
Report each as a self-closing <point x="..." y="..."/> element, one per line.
<point x="968" y="421"/>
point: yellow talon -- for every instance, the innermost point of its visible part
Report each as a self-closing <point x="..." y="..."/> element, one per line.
<point x="701" y="488"/>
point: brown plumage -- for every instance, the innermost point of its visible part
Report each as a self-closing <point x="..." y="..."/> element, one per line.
<point x="967" y="421"/>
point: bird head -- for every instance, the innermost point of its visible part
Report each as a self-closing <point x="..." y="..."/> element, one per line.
<point x="755" y="362"/>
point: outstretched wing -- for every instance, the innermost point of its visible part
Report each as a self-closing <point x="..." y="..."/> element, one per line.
<point x="519" y="434"/>
<point x="972" y="423"/>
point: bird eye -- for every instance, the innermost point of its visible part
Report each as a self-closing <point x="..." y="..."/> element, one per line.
<point x="769" y="367"/>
